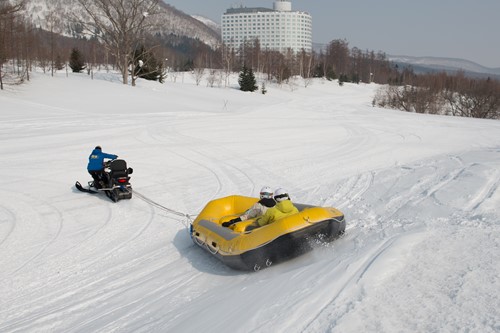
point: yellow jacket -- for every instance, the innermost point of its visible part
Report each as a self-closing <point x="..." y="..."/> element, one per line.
<point x="282" y="209"/>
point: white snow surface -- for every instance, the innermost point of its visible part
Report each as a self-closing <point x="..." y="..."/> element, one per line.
<point x="420" y="194"/>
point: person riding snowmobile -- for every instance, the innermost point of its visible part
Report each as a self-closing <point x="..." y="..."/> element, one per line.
<point x="95" y="166"/>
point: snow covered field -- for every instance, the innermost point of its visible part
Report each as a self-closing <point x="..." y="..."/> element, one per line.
<point x="420" y="194"/>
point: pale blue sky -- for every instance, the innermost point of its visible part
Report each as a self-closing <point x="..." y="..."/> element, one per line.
<point x="466" y="29"/>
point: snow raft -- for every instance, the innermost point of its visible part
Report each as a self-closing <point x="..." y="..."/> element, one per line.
<point x="259" y="248"/>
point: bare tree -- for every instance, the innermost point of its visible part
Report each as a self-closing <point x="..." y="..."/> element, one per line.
<point x="8" y="11"/>
<point x="120" y="25"/>
<point x="306" y="60"/>
<point x="338" y="56"/>
<point x="198" y="74"/>
<point x="214" y="77"/>
<point x="228" y="56"/>
<point x="474" y="98"/>
<point x="8" y="7"/>
<point x="55" y="26"/>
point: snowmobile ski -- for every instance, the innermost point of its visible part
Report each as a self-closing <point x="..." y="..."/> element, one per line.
<point x="83" y="189"/>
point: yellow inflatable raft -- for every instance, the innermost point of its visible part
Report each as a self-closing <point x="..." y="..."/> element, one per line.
<point x="252" y="250"/>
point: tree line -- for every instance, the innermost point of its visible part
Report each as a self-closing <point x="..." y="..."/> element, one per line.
<point x="442" y="93"/>
<point x="112" y="34"/>
<point x="336" y="61"/>
<point x="122" y="35"/>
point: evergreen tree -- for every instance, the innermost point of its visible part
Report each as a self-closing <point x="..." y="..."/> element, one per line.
<point x="330" y="74"/>
<point x="58" y="64"/>
<point x="263" y="89"/>
<point x="343" y="78"/>
<point x="247" y="80"/>
<point x="147" y="66"/>
<point x="355" y="78"/>
<point x="76" y="61"/>
<point x="188" y="66"/>
<point x="318" y="71"/>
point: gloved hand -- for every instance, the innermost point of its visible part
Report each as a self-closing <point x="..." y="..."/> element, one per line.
<point x="231" y="222"/>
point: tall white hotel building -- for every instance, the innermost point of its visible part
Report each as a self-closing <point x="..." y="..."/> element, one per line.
<point x="276" y="29"/>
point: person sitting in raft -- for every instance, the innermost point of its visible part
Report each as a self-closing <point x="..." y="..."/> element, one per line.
<point x="284" y="207"/>
<point x="258" y="209"/>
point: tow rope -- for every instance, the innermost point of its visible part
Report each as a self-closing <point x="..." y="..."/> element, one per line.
<point x="188" y="219"/>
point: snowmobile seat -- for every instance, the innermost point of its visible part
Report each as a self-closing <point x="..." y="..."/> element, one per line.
<point x="118" y="168"/>
<point x="118" y="165"/>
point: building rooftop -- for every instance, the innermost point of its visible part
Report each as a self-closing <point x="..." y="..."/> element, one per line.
<point x="243" y="10"/>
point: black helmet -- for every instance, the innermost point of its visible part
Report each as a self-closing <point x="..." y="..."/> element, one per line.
<point x="98" y="147"/>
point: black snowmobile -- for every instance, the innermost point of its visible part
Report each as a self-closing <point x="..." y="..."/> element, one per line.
<point x="115" y="184"/>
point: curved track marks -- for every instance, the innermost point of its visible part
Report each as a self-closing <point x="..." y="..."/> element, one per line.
<point x="219" y="165"/>
<point x="7" y="223"/>
<point x="388" y="212"/>
<point x="33" y="229"/>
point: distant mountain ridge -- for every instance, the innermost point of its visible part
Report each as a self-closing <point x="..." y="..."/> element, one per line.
<point x="451" y="65"/>
<point x="173" y="21"/>
<point x="208" y="22"/>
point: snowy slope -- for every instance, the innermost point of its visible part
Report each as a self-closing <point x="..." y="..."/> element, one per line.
<point x="420" y="194"/>
<point x="208" y="22"/>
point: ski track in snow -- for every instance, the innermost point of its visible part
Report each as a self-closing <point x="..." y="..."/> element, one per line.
<point x="351" y="277"/>
<point x="7" y="223"/>
<point x="172" y="140"/>
<point x="485" y="193"/>
<point x="50" y="219"/>
<point x="334" y="310"/>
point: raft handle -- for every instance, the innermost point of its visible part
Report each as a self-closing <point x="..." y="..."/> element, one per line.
<point x="209" y="248"/>
<point x="198" y="241"/>
<point x="214" y="244"/>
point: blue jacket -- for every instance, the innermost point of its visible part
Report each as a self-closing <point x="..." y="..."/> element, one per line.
<point x="96" y="160"/>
